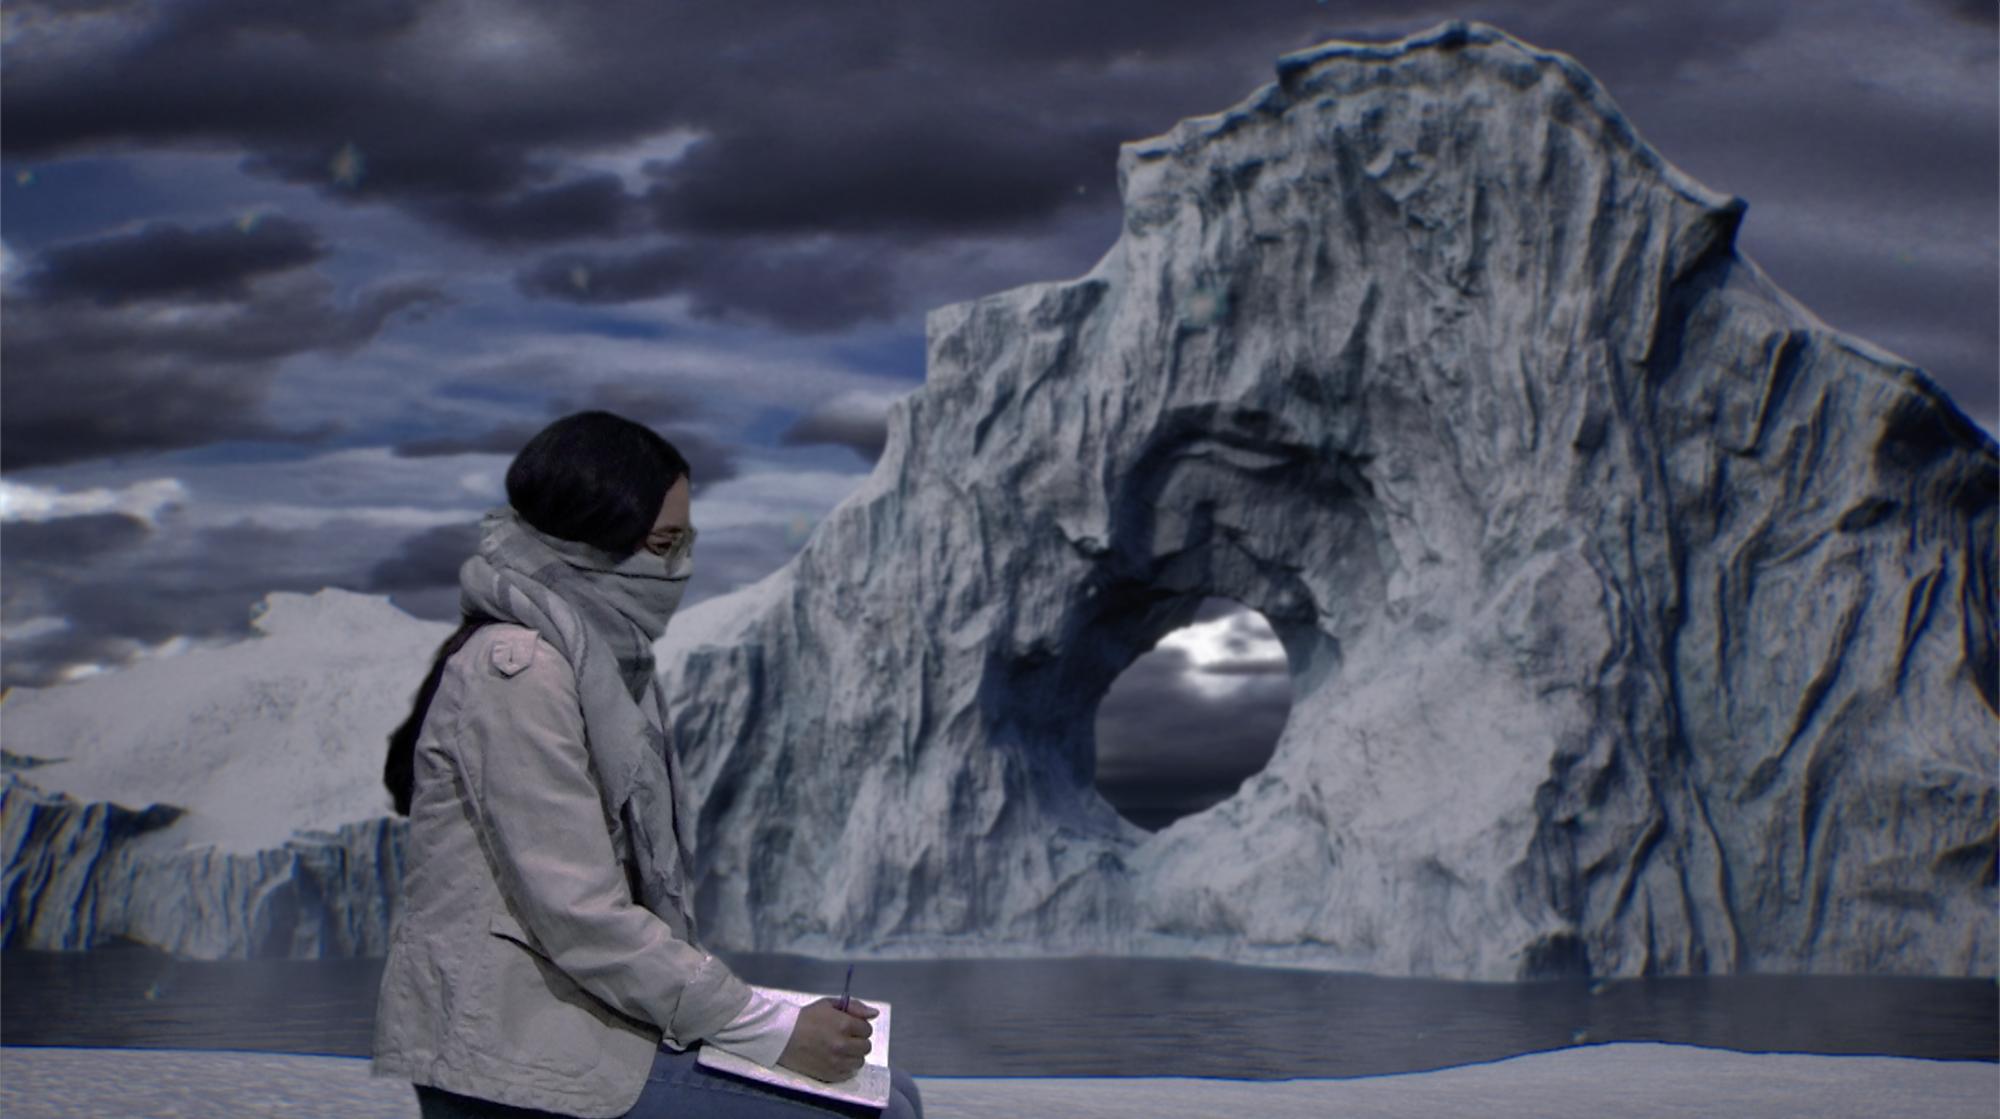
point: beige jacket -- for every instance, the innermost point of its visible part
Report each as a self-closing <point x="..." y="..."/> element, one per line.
<point x="520" y="969"/>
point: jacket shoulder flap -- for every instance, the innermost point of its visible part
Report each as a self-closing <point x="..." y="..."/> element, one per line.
<point x="513" y="648"/>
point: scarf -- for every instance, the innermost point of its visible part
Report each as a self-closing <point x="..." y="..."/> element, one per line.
<point x="603" y="612"/>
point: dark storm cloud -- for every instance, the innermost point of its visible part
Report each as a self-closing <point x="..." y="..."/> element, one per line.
<point x="863" y="438"/>
<point x="495" y="441"/>
<point x="1620" y="43"/>
<point x="662" y="407"/>
<point x="345" y="97"/>
<point x="806" y="290"/>
<point x="891" y="125"/>
<point x="204" y="587"/>
<point x="430" y="559"/>
<point x="961" y="115"/>
<point x="52" y="570"/>
<point x="163" y="259"/>
<point x="610" y="277"/>
<point x="802" y="287"/>
<point x="1979" y="13"/>
<point x="1038" y="34"/>
<point x="876" y="119"/>
<point x="589" y="206"/>
<point x="922" y="168"/>
<point x="1800" y="144"/>
<point x="39" y="661"/>
<point x="148" y="601"/>
<point x="1626" y="45"/>
<point x="256" y="72"/>
<point x="167" y="337"/>
<point x="85" y="381"/>
<point x="66" y="541"/>
<point x="651" y="402"/>
<point x="349" y="22"/>
<point x="865" y="434"/>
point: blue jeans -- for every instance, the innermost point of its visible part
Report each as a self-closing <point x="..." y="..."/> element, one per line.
<point x="680" y="1088"/>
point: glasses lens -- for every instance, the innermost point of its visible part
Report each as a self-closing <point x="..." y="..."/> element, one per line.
<point x="680" y="545"/>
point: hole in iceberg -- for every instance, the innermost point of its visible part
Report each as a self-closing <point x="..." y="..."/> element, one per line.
<point x="1182" y="727"/>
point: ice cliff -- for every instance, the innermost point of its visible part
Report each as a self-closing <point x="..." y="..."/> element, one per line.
<point x="1638" y="622"/>
<point x="79" y="874"/>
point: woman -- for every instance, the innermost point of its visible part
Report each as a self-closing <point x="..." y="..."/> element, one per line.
<point x="544" y="958"/>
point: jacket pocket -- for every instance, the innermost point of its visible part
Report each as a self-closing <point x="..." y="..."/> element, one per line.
<point x="544" y="1018"/>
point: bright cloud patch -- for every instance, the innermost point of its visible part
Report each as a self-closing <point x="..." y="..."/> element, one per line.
<point x="143" y="500"/>
<point x="1228" y="654"/>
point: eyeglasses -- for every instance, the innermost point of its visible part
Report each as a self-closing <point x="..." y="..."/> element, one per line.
<point x="672" y="544"/>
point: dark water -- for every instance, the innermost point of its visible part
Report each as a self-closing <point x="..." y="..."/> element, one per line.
<point x="1071" y="1017"/>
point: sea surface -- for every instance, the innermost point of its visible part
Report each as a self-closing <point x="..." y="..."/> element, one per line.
<point x="1072" y="1016"/>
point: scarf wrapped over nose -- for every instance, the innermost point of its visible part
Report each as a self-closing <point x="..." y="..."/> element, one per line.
<point x="603" y="612"/>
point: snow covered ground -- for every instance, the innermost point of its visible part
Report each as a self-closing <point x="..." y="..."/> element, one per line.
<point x="1624" y="1081"/>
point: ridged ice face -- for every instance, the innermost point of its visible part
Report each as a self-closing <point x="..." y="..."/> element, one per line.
<point x="1634" y="616"/>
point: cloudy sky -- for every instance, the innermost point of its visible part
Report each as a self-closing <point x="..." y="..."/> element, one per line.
<point x="286" y="284"/>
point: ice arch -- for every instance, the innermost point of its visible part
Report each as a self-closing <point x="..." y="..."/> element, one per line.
<point x="1638" y="623"/>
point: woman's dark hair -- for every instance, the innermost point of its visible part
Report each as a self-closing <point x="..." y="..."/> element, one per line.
<point x="591" y="477"/>
<point x="596" y="478"/>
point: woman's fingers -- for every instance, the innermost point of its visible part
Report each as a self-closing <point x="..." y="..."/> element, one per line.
<point x="828" y="1044"/>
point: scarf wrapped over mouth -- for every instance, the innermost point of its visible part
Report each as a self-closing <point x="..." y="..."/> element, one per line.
<point x="603" y="612"/>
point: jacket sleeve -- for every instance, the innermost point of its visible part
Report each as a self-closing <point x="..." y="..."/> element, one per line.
<point x="761" y="1031"/>
<point x="536" y="807"/>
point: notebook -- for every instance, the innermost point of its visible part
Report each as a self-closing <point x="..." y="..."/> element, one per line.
<point x="869" y="1087"/>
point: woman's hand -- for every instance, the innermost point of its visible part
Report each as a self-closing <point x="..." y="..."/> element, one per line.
<point x="829" y="1043"/>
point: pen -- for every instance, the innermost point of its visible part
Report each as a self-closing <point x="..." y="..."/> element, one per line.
<point x="846" y="987"/>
